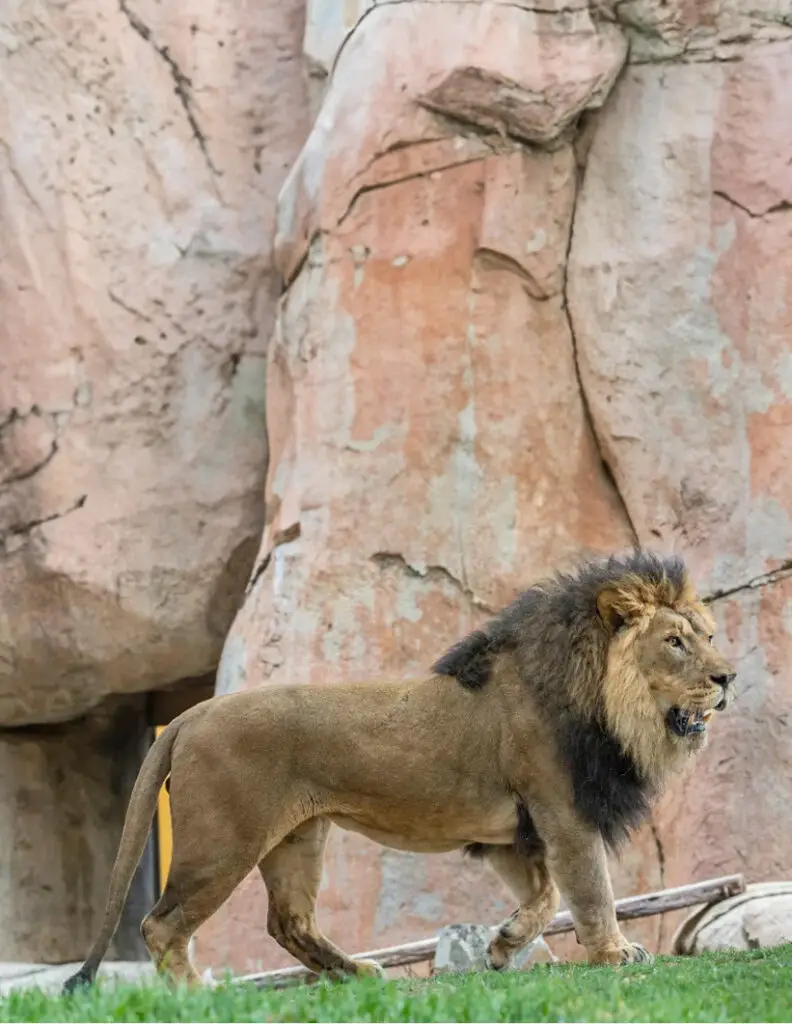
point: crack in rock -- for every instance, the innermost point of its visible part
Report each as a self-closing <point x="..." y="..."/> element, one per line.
<point x="291" y="533"/>
<point x="502" y="261"/>
<point x="753" y="214"/>
<point x="26" y="474"/>
<point x="395" y="147"/>
<point x="377" y="186"/>
<point x="15" y="416"/>
<point x="683" y="59"/>
<point x="389" y="559"/>
<point x="765" y="579"/>
<point x="587" y="413"/>
<point x="377" y="5"/>
<point x="22" y="529"/>
<point x="117" y="301"/>
<point x="181" y="81"/>
<point x="661" y="860"/>
<point x="20" y="180"/>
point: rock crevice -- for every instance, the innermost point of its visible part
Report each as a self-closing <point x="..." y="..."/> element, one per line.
<point x="430" y="573"/>
<point x="607" y="465"/>
<point x="22" y="529"/>
<point x="182" y="84"/>
<point x="765" y="579"/>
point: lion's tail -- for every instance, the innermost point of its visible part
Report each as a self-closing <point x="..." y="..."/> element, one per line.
<point x="140" y="812"/>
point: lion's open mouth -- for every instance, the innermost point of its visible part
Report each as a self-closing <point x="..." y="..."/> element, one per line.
<point x="687" y="723"/>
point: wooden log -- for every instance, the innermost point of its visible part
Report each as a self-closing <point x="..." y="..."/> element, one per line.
<point x="645" y="905"/>
<point x="662" y="902"/>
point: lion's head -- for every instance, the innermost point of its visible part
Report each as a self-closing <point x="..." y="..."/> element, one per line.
<point x="620" y="663"/>
<point x="664" y="676"/>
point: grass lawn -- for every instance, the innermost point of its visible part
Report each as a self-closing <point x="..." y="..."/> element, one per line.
<point x="724" y="986"/>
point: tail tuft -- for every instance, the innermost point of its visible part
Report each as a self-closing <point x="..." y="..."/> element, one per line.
<point x="84" y="977"/>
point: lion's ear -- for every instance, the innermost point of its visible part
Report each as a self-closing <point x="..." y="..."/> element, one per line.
<point x="615" y="608"/>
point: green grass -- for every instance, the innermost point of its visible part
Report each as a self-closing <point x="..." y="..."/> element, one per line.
<point x="725" y="986"/>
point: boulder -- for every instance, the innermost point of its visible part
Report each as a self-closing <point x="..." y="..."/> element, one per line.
<point x="142" y="148"/>
<point x="759" y="918"/>
<point x="463" y="948"/>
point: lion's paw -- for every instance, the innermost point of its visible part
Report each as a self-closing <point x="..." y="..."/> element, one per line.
<point x="369" y="969"/>
<point x="620" y="954"/>
<point x="500" y="953"/>
<point x="495" y="960"/>
<point x="634" y="953"/>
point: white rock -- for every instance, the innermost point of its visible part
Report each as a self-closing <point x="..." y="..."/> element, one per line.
<point x="463" y="947"/>
<point x="759" y="918"/>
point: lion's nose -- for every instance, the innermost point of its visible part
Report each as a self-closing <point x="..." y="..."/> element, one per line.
<point x="723" y="681"/>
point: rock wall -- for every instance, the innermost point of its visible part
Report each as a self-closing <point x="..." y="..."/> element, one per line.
<point x="680" y="285"/>
<point x="141" y="152"/>
<point x="537" y="302"/>
<point x="63" y="795"/>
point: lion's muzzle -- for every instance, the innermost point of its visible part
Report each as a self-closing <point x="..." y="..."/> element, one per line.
<point x="687" y="722"/>
<point x="683" y="723"/>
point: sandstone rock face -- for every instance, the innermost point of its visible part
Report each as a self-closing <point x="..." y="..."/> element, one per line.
<point x="141" y="152"/>
<point x="680" y="280"/>
<point x="494" y="310"/>
<point x="452" y="242"/>
<point x="530" y="311"/>
<point x="680" y="216"/>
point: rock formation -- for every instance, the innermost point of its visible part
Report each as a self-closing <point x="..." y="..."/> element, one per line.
<point x="537" y="286"/>
<point x="141" y="155"/>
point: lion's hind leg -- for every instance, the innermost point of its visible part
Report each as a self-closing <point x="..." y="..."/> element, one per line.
<point x="167" y="940"/>
<point x="292" y="873"/>
<point x="216" y="843"/>
<point x="527" y="877"/>
<point x="189" y="899"/>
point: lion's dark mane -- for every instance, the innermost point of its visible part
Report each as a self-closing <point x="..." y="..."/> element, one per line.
<point x="556" y="636"/>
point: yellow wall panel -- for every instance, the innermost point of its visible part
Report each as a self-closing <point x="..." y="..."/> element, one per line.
<point x="164" y="832"/>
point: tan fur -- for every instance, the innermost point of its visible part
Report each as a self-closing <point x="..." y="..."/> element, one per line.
<point x="257" y="778"/>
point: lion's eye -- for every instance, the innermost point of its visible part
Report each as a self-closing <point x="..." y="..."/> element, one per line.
<point x="711" y="638"/>
<point x="676" y="641"/>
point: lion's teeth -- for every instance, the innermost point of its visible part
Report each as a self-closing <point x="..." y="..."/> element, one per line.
<point x="707" y="715"/>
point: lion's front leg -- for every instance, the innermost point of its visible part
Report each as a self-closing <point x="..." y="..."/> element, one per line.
<point x="529" y="880"/>
<point x="577" y="861"/>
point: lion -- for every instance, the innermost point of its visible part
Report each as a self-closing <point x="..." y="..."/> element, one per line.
<point x="536" y="743"/>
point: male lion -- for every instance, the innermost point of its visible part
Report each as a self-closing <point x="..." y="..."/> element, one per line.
<point x="536" y="743"/>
